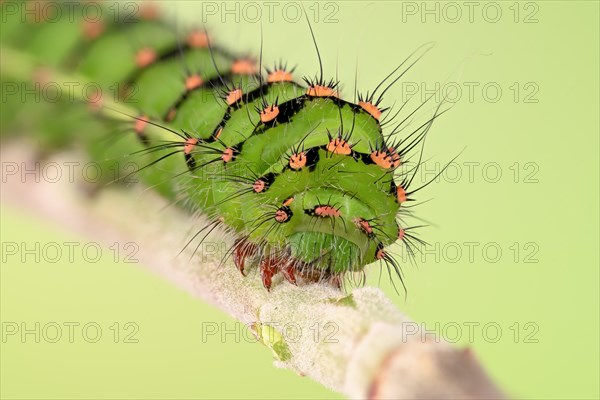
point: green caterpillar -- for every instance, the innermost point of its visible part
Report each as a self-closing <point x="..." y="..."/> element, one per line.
<point x="304" y="179"/>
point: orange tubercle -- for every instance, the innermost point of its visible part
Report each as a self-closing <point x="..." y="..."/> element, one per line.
<point x="258" y="186"/>
<point x="193" y="82"/>
<point x="197" y="39"/>
<point x="43" y="76"/>
<point x="148" y="11"/>
<point x="400" y="194"/>
<point x="140" y="124"/>
<point x="364" y="225"/>
<point x="380" y="158"/>
<point x="244" y="66"/>
<point x="385" y="159"/>
<point x="327" y="211"/>
<point x="269" y="114"/>
<point x="145" y="57"/>
<point x="339" y="146"/>
<point x="371" y="109"/>
<point x="288" y="201"/>
<point x="234" y="96"/>
<point x="298" y="160"/>
<point x="95" y="102"/>
<point x="395" y="157"/>
<point x="321" y="91"/>
<point x="190" y="143"/>
<point x="280" y="76"/>
<point x="281" y="215"/>
<point x="227" y="155"/>
<point x="93" y="29"/>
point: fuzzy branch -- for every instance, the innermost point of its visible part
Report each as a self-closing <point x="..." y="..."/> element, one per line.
<point x="366" y="347"/>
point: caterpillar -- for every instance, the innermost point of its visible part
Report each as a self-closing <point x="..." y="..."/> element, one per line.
<point x="305" y="179"/>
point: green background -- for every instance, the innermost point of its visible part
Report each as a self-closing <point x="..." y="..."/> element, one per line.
<point x="550" y="209"/>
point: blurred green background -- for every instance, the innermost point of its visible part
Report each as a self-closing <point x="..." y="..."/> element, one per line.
<point x="515" y="231"/>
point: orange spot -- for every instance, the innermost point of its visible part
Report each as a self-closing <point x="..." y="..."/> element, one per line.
<point x="371" y="109"/>
<point x="234" y="96"/>
<point x="321" y="91"/>
<point x="298" y="160"/>
<point x="339" y="146"/>
<point x="327" y="211"/>
<point x="140" y="124"/>
<point x="219" y="131"/>
<point x="269" y="114"/>
<point x="281" y="215"/>
<point x="93" y="29"/>
<point x="380" y="254"/>
<point x="171" y="115"/>
<point x="42" y="75"/>
<point x="381" y="159"/>
<point x="288" y="201"/>
<point x="400" y="194"/>
<point x="259" y="186"/>
<point x="364" y="225"/>
<point x="279" y="76"/>
<point x="244" y="67"/>
<point x="386" y="159"/>
<point x="145" y="57"/>
<point x="192" y="82"/>
<point x="394" y="156"/>
<point x="197" y="39"/>
<point x="401" y="234"/>
<point x="190" y="143"/>
<point x="227" y="155"/>
<point x="148" y="11"/>
<point x="95" y="102"/>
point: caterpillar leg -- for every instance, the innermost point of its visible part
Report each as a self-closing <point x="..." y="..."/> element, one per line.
<point x="269" y="266"/>
<point x="243" y="249"/>
<point x="335" y="280"/>
<point x="289" y="271"/>
<point x="309" y="273"/>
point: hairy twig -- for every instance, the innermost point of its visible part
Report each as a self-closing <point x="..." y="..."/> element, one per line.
<point x="365" y="347"/>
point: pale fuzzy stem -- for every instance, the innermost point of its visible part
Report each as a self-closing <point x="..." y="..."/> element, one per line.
<point x="360" y="345"/>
